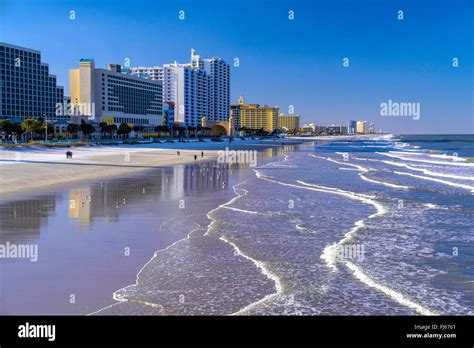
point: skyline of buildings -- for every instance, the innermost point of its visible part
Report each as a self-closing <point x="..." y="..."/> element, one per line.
<point x="143" y="96"/>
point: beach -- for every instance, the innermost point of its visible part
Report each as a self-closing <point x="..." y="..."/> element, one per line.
<point x="40" y="169"/>
<point x="344" y="226"/>
<point x="83" y="215"/>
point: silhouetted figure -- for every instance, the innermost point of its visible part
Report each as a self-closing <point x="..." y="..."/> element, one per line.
<point x="195" y="157"/>
<point x="69" y="154"/>
<point x="202" y="153"/>
<point x="178" y="153"/>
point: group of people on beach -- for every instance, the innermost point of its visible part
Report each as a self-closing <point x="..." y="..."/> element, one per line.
<point x="195" y="156"/>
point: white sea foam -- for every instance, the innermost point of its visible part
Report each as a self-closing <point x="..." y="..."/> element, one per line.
<point x="365" y="170"/>
<point x="449" y="183"/>
<point x="388" y="184"/>
<point x="241" y="210"/>
<point x="400" y="298"/>
<point x="429" y="172"/>
<point x="329" y="253"/>
<point x="265" y="270"/>
<point x="456" y="161"/>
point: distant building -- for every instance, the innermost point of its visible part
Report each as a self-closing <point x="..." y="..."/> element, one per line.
<point x="113" y="97"/>
<point x="336" y="129"/>
<point x="362" y="127"/>
<point x="235" y="112"/>
<point x="289" y="122"/>
<point x="27" y="89"/>
<point x="253" y="116"/>
<point x="309" y="128"/>
<point x="371" y="128"/>
<point x="352" y="127"/>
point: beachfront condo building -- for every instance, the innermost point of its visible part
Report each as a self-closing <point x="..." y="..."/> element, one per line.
<point x="371" y="128"/>
<point x="253" y="116"/>
<point x="27" y="88"/>
<point x="310" y="128"/>
<point x="188" y="89"/>
<point x="289" y="123"/>
<point x="200" y="88"/>
<point x="362" y="127"/>
<point x="352" y="127"/>
<point x="219" y="89"/>
<point x="153" y="72"/>
<point x="108" y="95"/>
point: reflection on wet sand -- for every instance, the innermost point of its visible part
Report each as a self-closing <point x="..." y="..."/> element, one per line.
<point x="23" y="219"/>
<point x="108" y="198"/>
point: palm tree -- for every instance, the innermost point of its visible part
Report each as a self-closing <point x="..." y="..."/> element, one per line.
<point x="87" y="129"/>
<point x="103" y="128"/>
<point x="192" y="130"/>
<point x="29" y="125"/>
<point x="112" y="128"/>
<point x="72" y="129"/>
<point x="166" y="129"/>
<point x="159" y="129"/>
<point x="124" y="129"/>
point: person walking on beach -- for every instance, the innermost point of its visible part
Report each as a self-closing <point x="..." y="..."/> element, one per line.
<point x="202" y="154"/>
<point x="178" y="153"/>
<point x="195" y="157"/>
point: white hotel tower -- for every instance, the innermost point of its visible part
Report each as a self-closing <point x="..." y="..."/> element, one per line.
<point x="199" y="89"/>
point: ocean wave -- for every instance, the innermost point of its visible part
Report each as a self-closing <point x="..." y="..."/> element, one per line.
<point x="457" y="161"/>
<point x="449" y="183"/>
<point x="429" y="172"/>
<point x="329" y="253"/>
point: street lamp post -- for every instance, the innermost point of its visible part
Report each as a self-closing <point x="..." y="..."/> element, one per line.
<point x="46" y="127"/>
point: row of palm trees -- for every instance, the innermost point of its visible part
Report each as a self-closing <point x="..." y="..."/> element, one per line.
<point x="178" y="130"/>
<point x="38" y="126"/>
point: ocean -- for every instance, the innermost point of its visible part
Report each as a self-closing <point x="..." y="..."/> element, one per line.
<point x="375" y="226"/>
<point x="381" y="226"/>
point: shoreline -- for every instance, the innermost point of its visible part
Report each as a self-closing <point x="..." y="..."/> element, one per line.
<point x="28" y="170"/>
<point x="31" y="176"/>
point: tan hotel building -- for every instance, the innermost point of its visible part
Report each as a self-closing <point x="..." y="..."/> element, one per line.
<point x="289" y="122"/>
<point x="113" y="97"/>
<point x="253" y="116"/>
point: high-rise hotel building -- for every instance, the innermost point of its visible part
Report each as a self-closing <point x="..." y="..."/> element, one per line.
<point x="110" y="96"/>
<point x="289" y="122"/>
<point x="200" y="88"/>
<point x="27" y="89"/>
<point x="362" y="127"/>
<point x="188" y="89"/>
<point x="253" y="116"/>
<point x="153" y="72"/>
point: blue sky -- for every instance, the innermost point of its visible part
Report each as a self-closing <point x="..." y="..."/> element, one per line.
<point x="282" y="62"/>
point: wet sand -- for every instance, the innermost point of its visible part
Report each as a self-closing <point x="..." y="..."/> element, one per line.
<point x="36" y="172"/>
